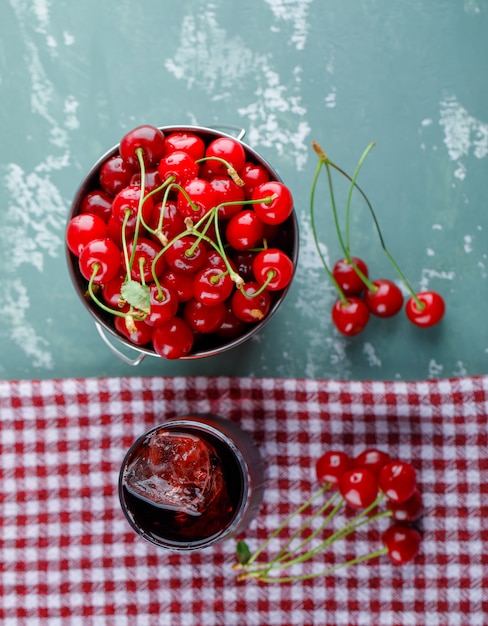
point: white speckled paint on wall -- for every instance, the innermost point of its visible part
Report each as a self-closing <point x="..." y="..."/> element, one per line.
<point x="36" y="211"/>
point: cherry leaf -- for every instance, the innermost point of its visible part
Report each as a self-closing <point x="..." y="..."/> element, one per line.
<point x="243" y="552"/>
<point x="137" y="295"/>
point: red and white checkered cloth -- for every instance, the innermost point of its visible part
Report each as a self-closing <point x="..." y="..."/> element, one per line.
<point x="68" y="556"/>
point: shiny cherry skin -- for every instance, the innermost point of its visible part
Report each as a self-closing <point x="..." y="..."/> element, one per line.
<point x="409" y="510"/>
<point x="97" y="202"/>
<point x="358" y="487"/>
<point x="170" y="224"/>
<point x="228" y="149"/>
<point x="274" y="268"/>
<point x="347" y="278"/>
<point x="181" y="282"/>
<point x="231" y="327"/>
<point x="402" y="542"/>
<point x="385" y="300"/>
<point x="163" y="304"/>
<point x="144" y="256"/>
<point x="102" y="255"/>
<point x="212" y="285"/>
<point x="244" y="230"/>
<point x="432" y="312"/>
<point x="141" y="336"/>
<point x="186" y="142"/>
<point x="202" y="196"/>
<point x="253" y="175"/>
<point x="150" y="139"/>
<point x="186" y="254"/>
<point x="331" y="465"/>
<point x="350" y="319"/>
<point x="372" y="459"/>
<point x="115" y="174"/>
<point x="179" y="165"/>
<point x="82" y="228"/>
<point x="172" y="339"/>
<point x="127" y="201"/>
<point x="226" y="191"/>
<point x="397" y="480"/>
<point x="279" y="208"/>
<point x="249" y="308"/>
<point x="202" y="318"/>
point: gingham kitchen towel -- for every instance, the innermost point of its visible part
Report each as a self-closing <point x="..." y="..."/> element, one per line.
<point x="68" y="556"/>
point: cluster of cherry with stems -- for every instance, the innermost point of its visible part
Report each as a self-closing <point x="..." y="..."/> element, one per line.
<point x="361" y="484"/>
<point x="358" y="295"/>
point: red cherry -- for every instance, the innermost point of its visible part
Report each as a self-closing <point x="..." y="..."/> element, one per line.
<point x="186" y="142"/>
<point x="151" y="182"/>
<point x="347" y="278"/>
<point x="397" y="480"/>
<point x="147" y="137"/>
<point x="115" y="174"/>
<point x="186" y="254"/>
<point x="231" y="327"/>
<point x="172" y="339"/>
<point x="163" y="304"/>
<point x="279" y="208"/>
<point x="144" y="256"/>
<point x="249" y="308"/>
<point x="178" y="164"/>
<point x="226" y="190"/>
<point x="430" y="314"/>
<point x="253" y="175"/>
<point x="409" y="510"/>
<point x="358" y="487"/>
<point x="202" y="318"/>
<point x="142" y="334"/>
<point x="171" y="223"/>
<point x="212" y="285"/>
<point x="111" y="292"/>
<point x="228" y="149"/>
<point x="181" y="282"/>
<point x="403" y="543"/>
<point x="244" y="230"/>
<point x="97" y="202"/>
<point x="372" y="459"/>
<point x="127" y="201"/>
<point x="331" y="465"/>
<point x="243" y="261"/>
<point x="350" y="319"/>
<point x="82" y="228"/>
<point x="384" y="301"/>
<point x="273" y="263"/>
<point x="102" y="255"/>
<point x="202" y="198"/>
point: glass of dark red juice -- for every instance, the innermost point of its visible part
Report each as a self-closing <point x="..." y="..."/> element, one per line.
<point x="191" y="482"/>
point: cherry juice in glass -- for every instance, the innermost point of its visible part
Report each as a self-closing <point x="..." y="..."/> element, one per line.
<point x="190" y="482"/>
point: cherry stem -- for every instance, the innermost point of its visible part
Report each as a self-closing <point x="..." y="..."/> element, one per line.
<point x="344" y="248"/>
<point x="95" y="268"/>
<point x="326" y="572"/>
<point x="140" y="156"/>
<point x="421" y="305"/>
<point x="342" y="296"/>
<point x="351" y="189"/>
<point x="231" y="170"/>
<point x="287" y="520"/>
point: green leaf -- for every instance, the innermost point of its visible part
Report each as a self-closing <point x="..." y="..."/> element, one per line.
<point x="243" y="552"/>
<point x="136" y="294"/>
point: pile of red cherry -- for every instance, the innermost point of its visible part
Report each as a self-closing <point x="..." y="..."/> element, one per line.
<point x="361" y="484"/>
<point x="183" y="242"/>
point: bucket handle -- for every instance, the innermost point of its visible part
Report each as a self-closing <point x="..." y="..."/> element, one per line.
<point x="123" y="357"/>
<point x="237" y="130"/>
